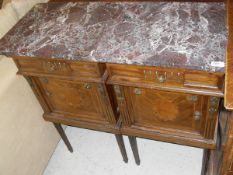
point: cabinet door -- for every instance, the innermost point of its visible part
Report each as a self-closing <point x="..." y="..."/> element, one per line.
<point x="80" y="100"/>
<point x="177" y="113"/>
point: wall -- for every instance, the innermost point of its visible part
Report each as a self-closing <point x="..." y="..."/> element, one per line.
<point x="27" y="141"/>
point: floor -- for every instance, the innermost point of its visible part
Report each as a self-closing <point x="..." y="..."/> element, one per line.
<point x="96" y="153"/>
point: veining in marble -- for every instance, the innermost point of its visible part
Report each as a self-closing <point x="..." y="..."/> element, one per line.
<point x="170" y="34"/>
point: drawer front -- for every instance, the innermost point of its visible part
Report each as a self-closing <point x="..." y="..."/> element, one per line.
<point x="179" y="113"/>
<point x="77" y="100"/>
<point x="165" y="78"/>
<point x="61" y="68"/>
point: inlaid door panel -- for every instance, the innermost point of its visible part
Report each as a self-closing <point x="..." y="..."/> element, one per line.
<point x="86" y="101"/>
<point x="166" y="109"/>
<point x="150" y="109"/>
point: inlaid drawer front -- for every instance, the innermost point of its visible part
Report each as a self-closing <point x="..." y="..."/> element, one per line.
<point x="180" y="113"/>
<point x="61" y="68"/>
<point x="164" y="77"/>
<point x="78" y="100"/>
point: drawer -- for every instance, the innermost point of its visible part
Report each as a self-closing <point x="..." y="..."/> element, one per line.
<point x="176" y="79"/>
<point x="160" y="114"/>
<point x="61" y="68"/>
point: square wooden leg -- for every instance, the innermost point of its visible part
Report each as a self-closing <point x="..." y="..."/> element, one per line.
<point x="205" y="161"/>
<point x="63" y="136"/>
<point x="134" y="147"/>
<point x="121" y="145"/>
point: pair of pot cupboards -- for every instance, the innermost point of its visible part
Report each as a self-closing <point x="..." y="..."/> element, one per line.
<point x="174" y="103"/>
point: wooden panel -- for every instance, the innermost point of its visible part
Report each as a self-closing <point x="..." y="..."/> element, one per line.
<point x="74" y="70"/>
<point x="167" y="79"/>
<point x="77" y="100"/>
<point x="152" y="108"/>
<point x="230" y="158"/>
<point x="227" y="148"/>
<point x="206" y="80"/>
<point x="169" y="116"/>
<point x="229" y="58"/>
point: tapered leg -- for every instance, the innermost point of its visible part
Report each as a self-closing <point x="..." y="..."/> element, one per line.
<point x="121" y="145"/>
<point x="134" y="147"/>
<point x="63" y="136"/>
<point x="205" y="160"/>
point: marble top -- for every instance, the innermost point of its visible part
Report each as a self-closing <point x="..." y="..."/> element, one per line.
<point x="190" y="35"/>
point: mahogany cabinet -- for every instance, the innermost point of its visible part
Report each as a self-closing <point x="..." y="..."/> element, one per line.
<point x="72" y="93"/>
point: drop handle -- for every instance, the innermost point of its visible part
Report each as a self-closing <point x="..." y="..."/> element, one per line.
<point x="197" y="115"/>
<point x="162" y="77"/>
<point x="51" y="66"/>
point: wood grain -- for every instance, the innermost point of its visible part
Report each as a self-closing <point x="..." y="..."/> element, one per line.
<point x="171" y="105"/>
<point x="75" y="93"/>
<point x="62" y="69"/>
<point x="71" y="93"/>
<point x="177" y="80"/>
<point x="171" y="117"/>
<point x="229" y="58"/>
<point x="227" y="148"/>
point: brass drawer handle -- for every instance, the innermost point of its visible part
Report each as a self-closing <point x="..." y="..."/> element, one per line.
<point x="197" y="115"/>
<point x="55" y="66"/>
<point x="51" y="66"/>
<point x="137" y="91"/>
<point x="87" y="85"/>
<point x="162" y="77"/>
